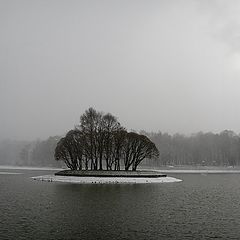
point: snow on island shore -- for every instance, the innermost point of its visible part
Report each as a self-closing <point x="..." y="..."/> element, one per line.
<point x="103" y="180"/>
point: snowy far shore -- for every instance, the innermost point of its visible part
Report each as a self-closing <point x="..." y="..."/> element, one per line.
<point x="196" y="171"/>
<point x="103" y="180"/>
<point x="8" y="173"/>
<point x="29" y="168"/>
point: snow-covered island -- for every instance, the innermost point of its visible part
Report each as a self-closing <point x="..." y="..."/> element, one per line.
<point x="100" y="150"/>
<point x="111" y="177"/>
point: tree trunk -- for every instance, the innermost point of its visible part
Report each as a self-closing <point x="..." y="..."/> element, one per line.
<point x="100" y="163"/>
<point x="86" y="164"/>
<point x="134" y="167"/>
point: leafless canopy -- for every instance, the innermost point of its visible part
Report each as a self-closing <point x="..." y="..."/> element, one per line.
<point x="100" y="141"/>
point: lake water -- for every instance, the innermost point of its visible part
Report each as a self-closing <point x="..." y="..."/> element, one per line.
<point x="200" y="207"/>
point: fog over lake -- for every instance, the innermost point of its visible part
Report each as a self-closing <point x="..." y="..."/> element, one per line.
<point x="163" y="65"/>
<point x="119" y="119"/>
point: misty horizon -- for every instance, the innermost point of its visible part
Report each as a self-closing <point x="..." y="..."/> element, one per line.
<point x="157" y="66"/>
<point x="119" y="119"/>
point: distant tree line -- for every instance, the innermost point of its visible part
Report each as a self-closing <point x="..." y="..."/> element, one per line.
<point x="10" y="151"/>
<point x="100" y="142"/>
<point x="212" y="149"/>
<point x="221" y="149"/>
<point x="39" y="153"/>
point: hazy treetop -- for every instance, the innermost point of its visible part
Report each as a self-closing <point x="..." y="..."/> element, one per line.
<point x="157" y="65"/>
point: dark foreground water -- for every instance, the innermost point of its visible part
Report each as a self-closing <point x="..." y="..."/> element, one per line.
<point x="200" y="207"/>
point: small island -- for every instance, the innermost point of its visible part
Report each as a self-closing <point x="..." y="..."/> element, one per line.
<point x="105" y="173"/>
<point x="100" y="150"/>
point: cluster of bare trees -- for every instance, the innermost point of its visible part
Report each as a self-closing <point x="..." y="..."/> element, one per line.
<point x="212" y="149"/>
<point x="100" y="142"/>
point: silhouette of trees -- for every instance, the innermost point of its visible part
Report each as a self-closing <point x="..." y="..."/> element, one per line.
<point x="68" y="150"/>
<point x="100" y="140"/>
<point x="105" y="144"/>
<point x="136" y="148"/>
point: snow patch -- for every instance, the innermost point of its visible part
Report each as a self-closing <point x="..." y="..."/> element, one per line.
<point x="8" y="173"/>
<point x="29" y="168"/>
<point x="197" y="171"/>
<point x="103" y="180"/>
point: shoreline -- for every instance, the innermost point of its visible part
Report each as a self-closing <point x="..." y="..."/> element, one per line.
<point x="3" y="167"/>
<point x="105" y="180"/>
<point x="198" y="171"/>
<point x="111" y="173"/>
<point x="9" y="173"/>
<point x="175" y="170"/>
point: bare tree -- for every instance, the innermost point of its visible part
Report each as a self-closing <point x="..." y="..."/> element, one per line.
<point x="136" y="148"/>
<point x="110" y="128"/>
<point x="100" y="137"/>
<point x="69" y="150"/>
<point x="90" y="125"/>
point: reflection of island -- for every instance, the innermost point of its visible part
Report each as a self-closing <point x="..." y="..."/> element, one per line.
<point x="99" y="142"/>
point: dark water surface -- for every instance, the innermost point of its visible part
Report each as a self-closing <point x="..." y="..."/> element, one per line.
<point x="200" y="207"/>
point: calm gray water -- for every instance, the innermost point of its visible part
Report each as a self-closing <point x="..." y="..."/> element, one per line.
<point x="200" y="207"/>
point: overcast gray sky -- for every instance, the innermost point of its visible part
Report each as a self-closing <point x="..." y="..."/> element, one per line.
<point x="157" y="65"/>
